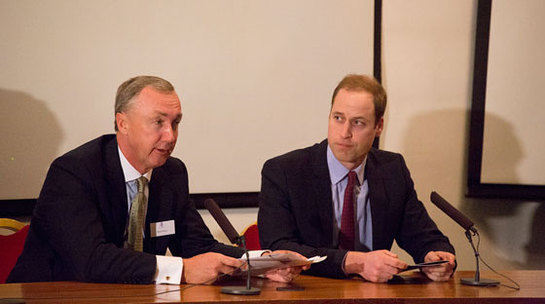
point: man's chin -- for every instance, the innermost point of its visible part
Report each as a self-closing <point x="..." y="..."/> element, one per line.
<point x="344" y="156"/>
<point x="349" y="159"/>
<point x="159" y="161"/>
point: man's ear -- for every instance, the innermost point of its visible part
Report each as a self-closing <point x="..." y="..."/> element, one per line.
<point x="121" y="122"/>
<point x="379" y="127"/>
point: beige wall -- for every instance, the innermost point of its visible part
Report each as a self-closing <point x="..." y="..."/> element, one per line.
<point x="253" y="76"/>
<point x="428" y="61"/>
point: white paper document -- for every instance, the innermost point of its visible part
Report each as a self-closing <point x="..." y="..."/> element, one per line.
<point x="262" y="264"/>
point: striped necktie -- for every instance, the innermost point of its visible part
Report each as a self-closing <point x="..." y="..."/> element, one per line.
<point x="347" y="233"/>
<point x="137" y="218"/>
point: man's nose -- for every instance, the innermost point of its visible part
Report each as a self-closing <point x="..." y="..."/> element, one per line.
<point x="169" y="134"/>
<point x="346" y="130"/>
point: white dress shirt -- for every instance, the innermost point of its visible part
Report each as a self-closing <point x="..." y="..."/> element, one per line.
<point x="169" y="268"/>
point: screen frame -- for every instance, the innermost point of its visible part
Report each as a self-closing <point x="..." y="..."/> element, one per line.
<point x="476" y="188"/>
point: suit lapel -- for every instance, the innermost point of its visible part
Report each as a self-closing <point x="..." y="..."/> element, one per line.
<point x="117" y="192"/>
<point x="378" y="198"/>
<point x="321" y="185"/>
<point x="160" y="199"/>
<point x="160" y="207"/>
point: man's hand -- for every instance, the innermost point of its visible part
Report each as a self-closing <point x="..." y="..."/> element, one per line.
<point x="205" y="268"/>
<point x="376" y="266"/>
<point x="286" y="274"/>
<point x="441" y="272"/>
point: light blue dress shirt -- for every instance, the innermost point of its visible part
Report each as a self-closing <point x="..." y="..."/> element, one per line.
<point x="362" y="209"/>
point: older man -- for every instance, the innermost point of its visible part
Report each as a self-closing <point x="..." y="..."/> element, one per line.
<point x="109" y="209"/>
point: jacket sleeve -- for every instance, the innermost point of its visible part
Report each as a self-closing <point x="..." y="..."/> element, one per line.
<point x="417" y="233"/>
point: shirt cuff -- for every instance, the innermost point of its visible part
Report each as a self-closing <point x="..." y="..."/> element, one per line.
<point x="169" y="270"/>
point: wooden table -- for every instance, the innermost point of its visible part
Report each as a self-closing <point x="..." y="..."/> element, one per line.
<point x="316" y="290"/>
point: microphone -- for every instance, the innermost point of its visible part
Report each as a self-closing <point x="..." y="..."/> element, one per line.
<point x="468" y="225"/>
<point x="234" y="238"/>
<point x="452" y="212"/>
<point x="222" y="221"/>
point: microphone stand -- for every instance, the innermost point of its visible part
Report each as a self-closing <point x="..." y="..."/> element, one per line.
<point x="234" y="238"/>
<point x="248" y="281"/>
<point x="477" y="281"/>
<point x="239" y="290"/>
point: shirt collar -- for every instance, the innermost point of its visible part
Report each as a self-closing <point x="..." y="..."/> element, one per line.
<point x="129" y="172"/>
<point x="338" y="172"/>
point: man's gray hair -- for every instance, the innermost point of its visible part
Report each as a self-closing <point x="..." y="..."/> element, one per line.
<point x="129" y="89"/>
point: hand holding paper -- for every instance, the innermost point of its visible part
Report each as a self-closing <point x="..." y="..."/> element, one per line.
<point x="377" y="266"/>
<point x="423" y="265"/>
<point x="441" y="272"/>
<point x="280" y="265"/>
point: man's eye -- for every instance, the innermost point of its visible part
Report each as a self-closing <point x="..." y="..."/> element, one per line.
<point x="337" y="117"/>
<point x="159" y="122"/>
<point x="175" y="125"/>
<point x="359" y="123"/>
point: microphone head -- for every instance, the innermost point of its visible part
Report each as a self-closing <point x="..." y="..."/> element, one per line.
<point x="210" y="203"/>
<point x="452" y="212"/>
<point x="222" y="220"/>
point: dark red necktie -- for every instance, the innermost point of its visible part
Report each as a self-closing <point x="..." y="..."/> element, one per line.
<point x="346" y="236"/>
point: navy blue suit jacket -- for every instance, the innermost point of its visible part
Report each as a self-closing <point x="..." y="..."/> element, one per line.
<point x="77" y="228"/>
<point x="296" y="208"/>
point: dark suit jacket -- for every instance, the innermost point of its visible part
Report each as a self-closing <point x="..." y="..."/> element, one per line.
<point x="296" y="208"/>
<point x="77" y="228"/>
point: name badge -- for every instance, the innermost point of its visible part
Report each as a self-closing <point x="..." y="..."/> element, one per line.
<point x="162" y="228"/>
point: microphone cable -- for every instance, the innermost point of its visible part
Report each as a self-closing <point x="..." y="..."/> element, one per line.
<point x="516" y="287"/>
